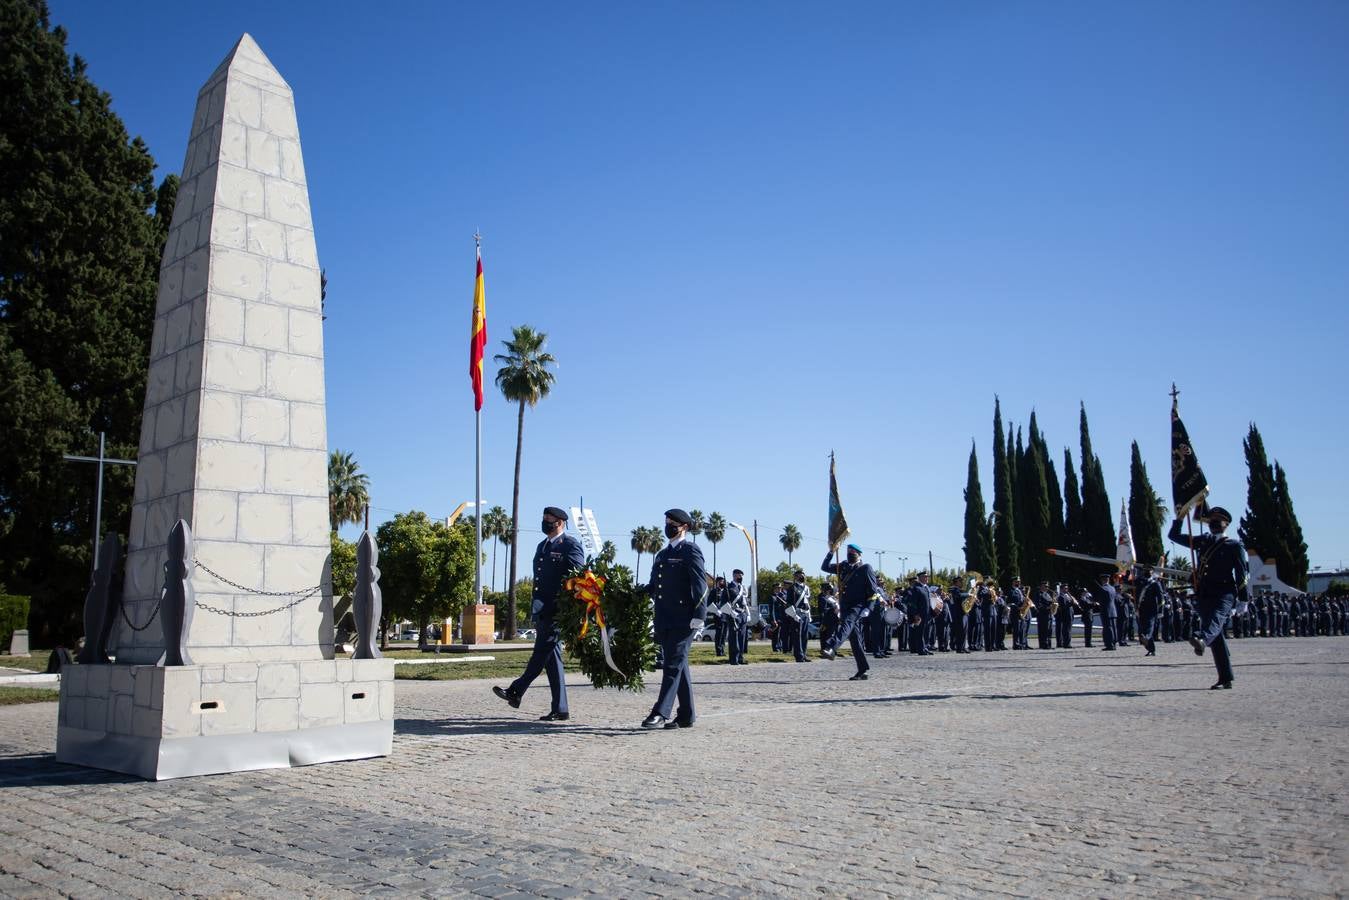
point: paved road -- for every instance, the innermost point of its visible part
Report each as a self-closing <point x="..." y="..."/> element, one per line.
<point x="1035" y="773"/>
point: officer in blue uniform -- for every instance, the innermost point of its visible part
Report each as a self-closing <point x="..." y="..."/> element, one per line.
<point x="858" y="585"/>
<point x="918" y="602"/>
<point x="1104" y="598"/>
<point x="1221" y="582"/>
<point x="556" y="558"/>
<point x="739" y="594"/>
<point x="678" y="590"/>
<point x="1016" y="598"/>
<point x="1151" y="600"/>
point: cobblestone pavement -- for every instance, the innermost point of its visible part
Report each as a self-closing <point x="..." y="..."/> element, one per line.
<point x="1036" y="773"/>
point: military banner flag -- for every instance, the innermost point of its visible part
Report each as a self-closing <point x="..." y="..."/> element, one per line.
<point x="1124" y="552"/>
<point x="1188" y="484"/>
<point x="838" y="523"/>
<point x="477" y="343"/>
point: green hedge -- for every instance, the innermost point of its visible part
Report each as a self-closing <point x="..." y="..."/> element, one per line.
<point x="13" y="616"/>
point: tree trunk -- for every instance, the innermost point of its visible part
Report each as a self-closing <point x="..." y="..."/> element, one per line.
<point x="714" y="560"/>
<point x="637" y="578"/>
<point x="423" y="626"/>
<point x="509" y="633"/>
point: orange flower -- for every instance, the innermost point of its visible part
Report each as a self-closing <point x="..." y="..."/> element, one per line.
<point x="587" y="588"/>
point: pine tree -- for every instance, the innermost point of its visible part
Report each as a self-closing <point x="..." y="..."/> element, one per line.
<point x="84" y="229"/>
<point x="1005" y="547"/>
<point x="1293" y="564"/>
<point x="1098" y="529"/>
<point x="978" y="536"/>
<point x="1145" y="512"/>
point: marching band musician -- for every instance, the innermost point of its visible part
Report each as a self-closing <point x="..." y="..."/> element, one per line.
<point x="738" y="596"/>
<point x="958" y="617"/>
<point x="1063" y="618"/>
<point x="1086" y="606"/>
<point x="798" y="597"/>
<point x="918" y="599"/>
<point x="988" y="611"/>
<point x="1044" y="605"/>
<point x="1104" y="597"/>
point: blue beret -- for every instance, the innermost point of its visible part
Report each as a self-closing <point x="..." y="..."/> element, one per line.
<point x="855" y="547"/>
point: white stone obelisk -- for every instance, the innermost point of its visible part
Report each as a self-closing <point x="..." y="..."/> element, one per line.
<point x="234" y="437"/>
<point x="234" y="442"/>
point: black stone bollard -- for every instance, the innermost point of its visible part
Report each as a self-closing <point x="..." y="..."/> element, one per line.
<point x="177" y="597"/>
<point x="366" y="602"/>
<point x="98" y="606"/>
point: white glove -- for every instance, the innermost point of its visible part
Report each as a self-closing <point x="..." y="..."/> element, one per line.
<point x="695" y="624"/>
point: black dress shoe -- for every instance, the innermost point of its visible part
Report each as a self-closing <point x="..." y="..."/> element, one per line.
<point x="506" y="695"/>
<point x="1224" y="685"/>
<point x="860" y="676"/>
<point x="555" y="717"/>
<point x="680" y="723"/>
<point x="654" y="721"/>
<point x="1198" y="646"/>
<point x="827" y="654"/>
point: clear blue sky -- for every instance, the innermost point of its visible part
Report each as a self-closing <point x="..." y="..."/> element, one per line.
<point x="758" y="232"/>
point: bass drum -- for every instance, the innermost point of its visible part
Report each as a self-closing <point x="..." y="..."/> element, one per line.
<point x="893" y="616"/>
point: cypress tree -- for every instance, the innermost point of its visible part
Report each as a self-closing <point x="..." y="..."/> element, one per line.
<point x="1072" y="517"/>
<point x="1057" y="537"/>
<point x="84" y="229"/>
<point x="1145" y="511"/>
<point x="1016" y="470"/>
<point x="1259" y="527"/>
<point x="1098" y="529"/>
<point x="1293" y="564"/>
<point x="1034" y="502"/>
<point x="1004" y="544"/>
<point x="978" y="536"/>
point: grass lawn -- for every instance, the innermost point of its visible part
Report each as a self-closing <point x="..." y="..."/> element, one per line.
<point x="37" y="662"/>
<point x="510" y="666"/>
<point x="11" y="695"/>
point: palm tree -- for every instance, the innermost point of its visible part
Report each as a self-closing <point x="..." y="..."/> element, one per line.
<point x="699" y="523"/>
<point x="524" y="379"/>
<point x="715" y="531"/>
<point x="495" y="525"/>
<point x="348" y="489"/>
<point x="790" y="540"/>
<point x="640" y="539"/>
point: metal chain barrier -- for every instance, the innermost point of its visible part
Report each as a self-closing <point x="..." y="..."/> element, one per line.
<point x="122" y="606"/>
<point x="300" y="595"/>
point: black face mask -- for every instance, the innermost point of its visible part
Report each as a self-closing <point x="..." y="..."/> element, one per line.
<point x="671" y="531"/>
<point x="853" y="558"/>
<point x="548" y="527"/>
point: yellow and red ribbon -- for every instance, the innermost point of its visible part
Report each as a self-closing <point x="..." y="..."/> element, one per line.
<point x="587" y="588"/>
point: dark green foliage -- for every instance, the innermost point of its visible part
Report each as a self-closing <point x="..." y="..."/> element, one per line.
<point x="1098" y="529"/>
<point x="1072" y="504"/>
<point x="82" y="229"/>
<point x="1270" y="527"/>
<point x="1004" y="528"/>
<point x="1294" y="564"/>
<point x="13" y="617"/>
<point x="1259" y="527"/>
<point x="1145" y="512"/>
<point x="627" y="613"/>
<point x="1033" y="501"/>
<point x="343" y="567"/>
<point x="978" y="535"/>
<point x="426" y="569"/>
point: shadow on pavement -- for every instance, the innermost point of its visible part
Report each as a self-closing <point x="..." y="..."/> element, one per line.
<point x="906" y="698"/>
<point x="460" y="727"/>
<point x="42" y="770"/>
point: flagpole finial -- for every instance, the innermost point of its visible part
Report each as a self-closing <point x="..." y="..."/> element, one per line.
<point x="1174" y="392"/>
<point x="477" y="239"/>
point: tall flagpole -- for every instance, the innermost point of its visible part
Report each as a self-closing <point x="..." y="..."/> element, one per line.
<point x="477" y="471"/>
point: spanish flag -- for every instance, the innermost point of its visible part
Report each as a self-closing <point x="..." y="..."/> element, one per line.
<point x="477" y="342"/>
